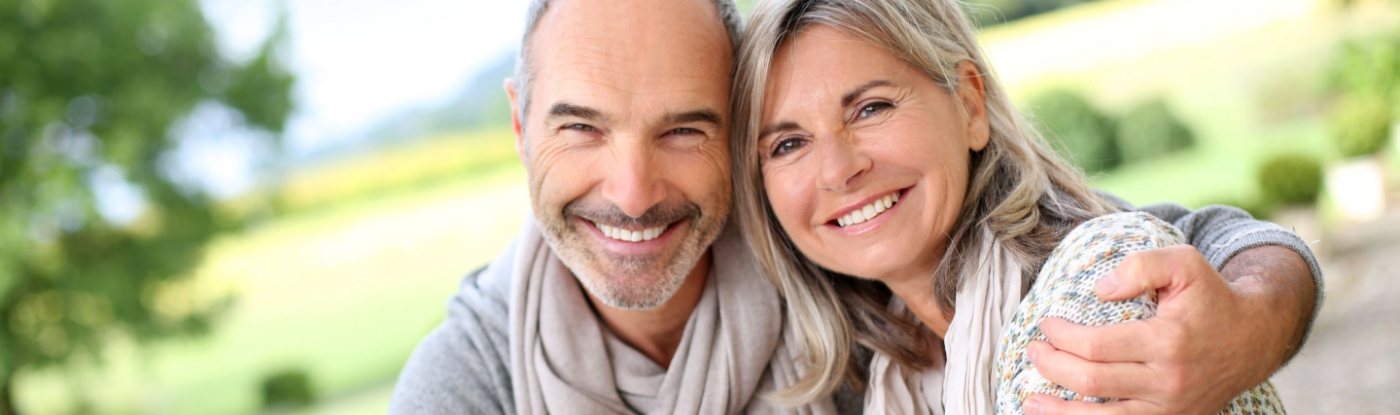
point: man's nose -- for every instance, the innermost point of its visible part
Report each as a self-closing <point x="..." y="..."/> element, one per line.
<point x="633" y="184"/>
<point x="842" y="162"/>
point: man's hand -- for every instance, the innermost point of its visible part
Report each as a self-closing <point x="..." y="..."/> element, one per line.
<point x="1210" y="341"/>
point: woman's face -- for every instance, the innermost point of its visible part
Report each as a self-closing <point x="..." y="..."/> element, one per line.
<point x="864" y="157"/>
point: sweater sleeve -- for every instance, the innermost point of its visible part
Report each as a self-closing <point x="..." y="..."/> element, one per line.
<point x="1221" y="232"/>
<point x="463" y="366"/>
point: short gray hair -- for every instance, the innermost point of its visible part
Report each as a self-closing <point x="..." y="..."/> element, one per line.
<point x="728" y="14"/>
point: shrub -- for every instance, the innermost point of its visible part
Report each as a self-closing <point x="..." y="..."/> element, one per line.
<point x="1150" y="130"/>
<point x="1291" y="178"/>
<point x="1361" y="124"/>
<point x="1368" y="65"/>
<point x="1078" y="130"/>
<point x="287" y="388"/>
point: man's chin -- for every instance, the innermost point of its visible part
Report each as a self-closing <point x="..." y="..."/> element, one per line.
<point x="632" y="291"/>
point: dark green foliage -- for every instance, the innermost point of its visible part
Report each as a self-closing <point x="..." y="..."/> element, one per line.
<point x="289" y="388"/>
<point x="91" y="88"/>
<point x="1361" y="124"/>
<point x="1077" y="129"/>
<point x="1150" y="130"/>
<point x="1291" y="179"/>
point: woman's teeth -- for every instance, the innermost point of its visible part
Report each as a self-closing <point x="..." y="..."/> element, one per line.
<point x="869" y="211"/>
<point x="629" y="235"/>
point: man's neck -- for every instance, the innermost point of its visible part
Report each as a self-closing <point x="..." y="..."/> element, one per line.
<point x="657" y="332"/>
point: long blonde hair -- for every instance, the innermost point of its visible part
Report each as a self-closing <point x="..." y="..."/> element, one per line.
<point x="1028" y="197"/>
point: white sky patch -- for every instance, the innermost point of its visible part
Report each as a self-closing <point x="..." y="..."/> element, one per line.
<point x="118" y="201"/>
<point x="360" y="61"/>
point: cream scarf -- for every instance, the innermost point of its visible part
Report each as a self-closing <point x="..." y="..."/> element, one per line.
<point x="561" y="362"/>
<point x="966" y="384"/>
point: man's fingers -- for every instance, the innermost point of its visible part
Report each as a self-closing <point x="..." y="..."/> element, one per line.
<point x="1050" y="405"/>
<point x="1150" y="269"/>
<point x="1126" y="342"/>
<point x="1103" y="380"/>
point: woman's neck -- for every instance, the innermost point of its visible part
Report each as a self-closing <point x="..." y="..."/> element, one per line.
<point x="915" y="289"/>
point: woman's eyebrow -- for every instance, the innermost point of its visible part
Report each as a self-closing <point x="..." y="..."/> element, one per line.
<point x="850" y="97"/>
<point x="785" y="125"/>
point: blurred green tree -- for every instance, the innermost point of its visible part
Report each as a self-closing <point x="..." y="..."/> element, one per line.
<point x="1077" y="129"/>
<point x="89" y="93"/>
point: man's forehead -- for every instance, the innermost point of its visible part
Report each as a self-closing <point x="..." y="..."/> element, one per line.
<point x="632" y="37"/>
<point x="634" y="62"/>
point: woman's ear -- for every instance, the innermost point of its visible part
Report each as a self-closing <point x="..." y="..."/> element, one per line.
<point x="972" y="93"/>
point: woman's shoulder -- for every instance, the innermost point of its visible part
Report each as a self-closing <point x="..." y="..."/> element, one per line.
<point x="1112" y="226"/>
<point x="1111" y="236"/>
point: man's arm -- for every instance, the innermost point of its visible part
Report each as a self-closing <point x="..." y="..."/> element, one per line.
<point x="1216" y="333"/>
<point x="463" y="366"/>
<point x="1264" y="259"/>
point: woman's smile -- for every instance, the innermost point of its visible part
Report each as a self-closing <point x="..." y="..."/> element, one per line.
<point x="864" y="216"/>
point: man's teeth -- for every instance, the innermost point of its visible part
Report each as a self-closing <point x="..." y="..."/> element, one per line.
<point x="869" y="211"/>
<point x="630" y="235"/>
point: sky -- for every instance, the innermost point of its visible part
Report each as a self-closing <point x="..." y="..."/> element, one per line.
<point x="360" y="61"/>
<point x="357" y="64"/>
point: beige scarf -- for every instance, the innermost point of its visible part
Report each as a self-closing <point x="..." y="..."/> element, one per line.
<point x="563" y="361"/>
<point x="966" y="384"/>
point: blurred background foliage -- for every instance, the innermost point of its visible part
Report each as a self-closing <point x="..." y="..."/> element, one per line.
<point x="89" y="92"/>
<point x="306" y="293"/>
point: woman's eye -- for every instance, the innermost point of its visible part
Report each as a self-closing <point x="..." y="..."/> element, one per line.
<point x="872" y="109"/>
<point x="787" y="145"/>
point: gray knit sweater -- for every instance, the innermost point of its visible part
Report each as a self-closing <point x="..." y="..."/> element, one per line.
<point x="463" y="366"/>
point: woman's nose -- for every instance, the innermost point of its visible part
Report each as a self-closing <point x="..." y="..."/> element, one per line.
<point x="842" y="162"/>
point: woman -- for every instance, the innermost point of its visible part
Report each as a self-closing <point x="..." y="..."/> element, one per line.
<point x="881" y="171"/>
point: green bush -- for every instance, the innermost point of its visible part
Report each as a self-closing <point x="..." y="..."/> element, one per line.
<point x="1150" y="130"/>
<point x="1361" y="124"/>
<point x="1368" y="65"/>
<point x="1291" y="178"/>
<point x="1078" y="130"/>
<point x="290" y="388"/>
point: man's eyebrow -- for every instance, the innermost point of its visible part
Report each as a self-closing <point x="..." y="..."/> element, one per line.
<point x="701" y="115"/>
<point x="850" y="97"/>
<point x="564" y="109"/>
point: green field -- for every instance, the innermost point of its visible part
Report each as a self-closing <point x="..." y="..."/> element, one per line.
<point x="343" y="292"/>
<point x="359" y="266"/>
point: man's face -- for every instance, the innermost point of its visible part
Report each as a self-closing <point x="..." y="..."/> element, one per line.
<point x="625" y="141"/>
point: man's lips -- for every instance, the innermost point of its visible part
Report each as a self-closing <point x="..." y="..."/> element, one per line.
<point x="633" y="240"/>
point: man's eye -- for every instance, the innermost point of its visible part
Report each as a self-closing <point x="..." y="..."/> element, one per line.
<point x="873" y="109"/>
<point x="683" y="131"/>
<point x="787" y="145"/>
<point x="579" y="127"/>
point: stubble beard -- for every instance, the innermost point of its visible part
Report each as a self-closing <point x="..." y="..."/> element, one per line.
<point x="630" y="282"/>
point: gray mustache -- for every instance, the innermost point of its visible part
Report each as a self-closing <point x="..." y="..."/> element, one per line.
<point x="611" y="215"/>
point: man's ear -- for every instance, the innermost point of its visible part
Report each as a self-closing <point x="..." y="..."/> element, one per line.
<point x="972" y="92"/>
<point x="515" y="120"/>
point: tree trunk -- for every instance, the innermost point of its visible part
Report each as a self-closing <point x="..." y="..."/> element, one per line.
<point x="7" y="401"/>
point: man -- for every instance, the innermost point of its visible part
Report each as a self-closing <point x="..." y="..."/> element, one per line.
<point x="627" y="292"/>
